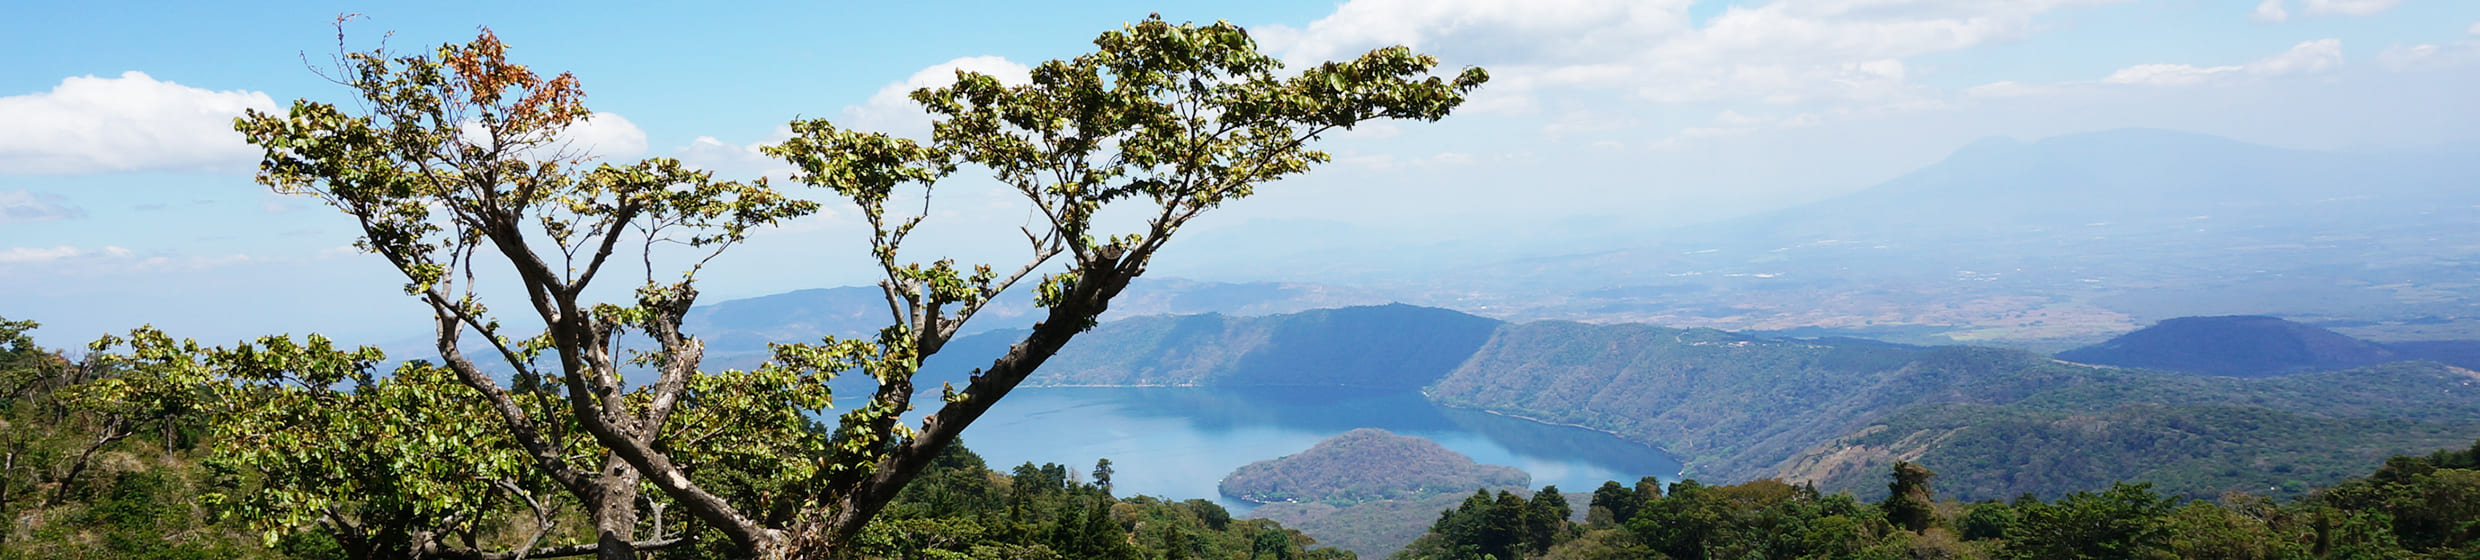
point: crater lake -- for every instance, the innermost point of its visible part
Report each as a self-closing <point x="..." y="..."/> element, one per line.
<point x="1179" y="442"/>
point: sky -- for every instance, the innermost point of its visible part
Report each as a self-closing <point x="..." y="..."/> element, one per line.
<point x="127" y="199"/>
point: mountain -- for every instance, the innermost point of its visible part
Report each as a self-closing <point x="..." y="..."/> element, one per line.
<point x="2234" y="346"/>
<point x="2188" y="435"/>
<point x="2049" y="244"/>
<point x="1387" y="346"/>
<point x="1395" y="346"/>
<point x="736" y="331"/>
<point x="1734" y="407"/>
<point x="2461" y="353"/>
<point x="1364" y="465"/>
<point x="1728" y="405"/>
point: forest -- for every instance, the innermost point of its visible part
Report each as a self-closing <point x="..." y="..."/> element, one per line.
<point x="94" y="471"/>
<point x="107" y="458"/>
<point x="2410" y="507"/>
<point x="1365" y="465"/>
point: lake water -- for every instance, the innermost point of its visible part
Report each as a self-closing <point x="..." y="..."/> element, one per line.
<point x="1179" y="442"/>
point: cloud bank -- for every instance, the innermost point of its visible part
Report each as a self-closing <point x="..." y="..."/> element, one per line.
<point x="128" y="123"/>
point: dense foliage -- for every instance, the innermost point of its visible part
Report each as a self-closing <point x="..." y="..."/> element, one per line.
<point x="100" y="459"/>
<point x="2412" y="507"/>
<point x="1364" y="465"/>
<point x="456" y="167"/>
<point x="95" y="470"/>
<point x="2000" y="422"/>
<point x="962" y="509"/>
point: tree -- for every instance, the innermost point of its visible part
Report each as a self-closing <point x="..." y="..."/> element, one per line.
<point x="400" y="465"/>
<point x="1909" y="500"/>
<point x="1618" y="500"/>
<point x="2122" y="522"/>
<point x="153" y="387"/>
<point x="1544" y="516"/>
<point x="1102" y="475"/>
<point x="455" y="172"/>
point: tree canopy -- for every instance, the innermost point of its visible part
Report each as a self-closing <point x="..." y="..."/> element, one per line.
<point x="455" y="168"/>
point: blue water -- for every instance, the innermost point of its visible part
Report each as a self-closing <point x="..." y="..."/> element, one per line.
<point x="1179" y="442"/>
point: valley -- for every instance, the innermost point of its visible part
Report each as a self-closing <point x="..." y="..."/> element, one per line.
<point x="1729" y="407"/>
<point x="2077" y="328"/>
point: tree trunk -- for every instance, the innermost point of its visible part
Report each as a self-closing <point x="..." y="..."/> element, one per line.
<point x="68" y="482"/>
<point x="615" y="511"/>
<point x="824" y="538"/>
<point x="8" y="468"/>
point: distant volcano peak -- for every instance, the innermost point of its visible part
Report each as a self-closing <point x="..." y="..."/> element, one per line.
<point x="2233" y="345"/>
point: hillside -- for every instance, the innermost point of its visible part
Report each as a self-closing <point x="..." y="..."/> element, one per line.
<point x="1727" y="405"/>
<point x="1735" y="406"/>
<point x="2000" y="422"/>
<point x="2462" y="353"/>
<point x="1370" y="529"/>
<point x="2234" y="346"/>
<point x="1387" y="346"/>
<point x="736" y="331"/>
<point x="2419" y="505"/>
<point x="1366" y="465"/>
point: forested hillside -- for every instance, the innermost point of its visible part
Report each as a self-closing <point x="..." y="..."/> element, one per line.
<point x="2411" y="507"/>
<point x="2189" y="436"/>
<point x="1735" y="407"/>
<point x="1728" y="405"/>
<point x="2000" y="422"/>
<point x="1388" y="346"/>
<point x="1365" y="465"/>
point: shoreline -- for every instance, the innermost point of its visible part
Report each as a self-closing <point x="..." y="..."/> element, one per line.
<point x="1424" y="396"/>
<point x="1683" y="465"/>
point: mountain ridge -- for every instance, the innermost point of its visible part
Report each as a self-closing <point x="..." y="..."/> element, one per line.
<point x="2233" y="346"/>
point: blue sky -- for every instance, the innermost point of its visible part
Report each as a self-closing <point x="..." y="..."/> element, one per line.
<point x="126" y="199"/>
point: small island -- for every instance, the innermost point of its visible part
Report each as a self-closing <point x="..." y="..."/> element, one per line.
<point x="1366" y="465"/>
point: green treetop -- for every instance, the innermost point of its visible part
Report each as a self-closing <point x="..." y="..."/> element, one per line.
<point x="454" y="168"/>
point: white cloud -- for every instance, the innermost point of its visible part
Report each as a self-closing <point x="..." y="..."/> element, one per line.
<point x="2304" y="58"/>
<point x="30" y="255"/>
<point x="2009" y="89"/>
<point x="1791" y="51"/>
<point x="2348" y="7"/>
<point x="21" y="206"/>
<point x="602" y="136"/>
<point x="2423" y="56"/>
<point x="731" y="161"/>
<point x="132" y="122"/>
<point x="2271" y="11"/>
<point x="2307" y="57"/>
<point x="605" y="135"/>
<point x="2167" y="74"/>
<point x="2474" y="29"/>
<point x="892" y="110"/>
